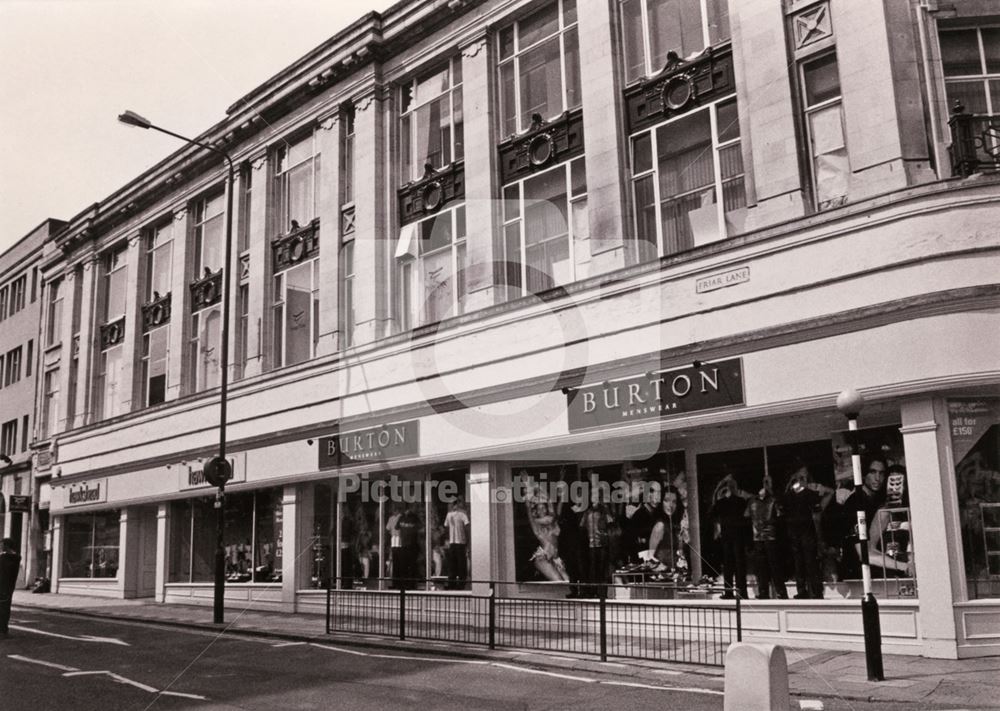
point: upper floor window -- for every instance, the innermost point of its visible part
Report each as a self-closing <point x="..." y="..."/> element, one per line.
<point x="430" y="131"/>
<point x="347" y="292"/>
<point x="430" y="259"/>
<point x="245" y="206"/>
<point x="296" y="313"/>
<point x="209" y="221"/>
<point x="687" y="181"/>
<point x="4" y="299"/>
<point x="971" y="59"/>
<point x="206" y="347"/>
<point x="347" y="153"/>
<point x="18" y="291"/>
<point x="546" y="231"/>
<point x="53" y="324"/>
<point x="824" y="116"/>
<point x="159" y="261"/>
<point x="50" y="402"/>
<point x="8" y="437"/>
<point x="155" y="347"/>
<point x="652" y="28"/>
<point x="12" y="366"/>
<point x="115" y="283"/>
<point x="297" y="175"/>
<point x="539" y="66"/>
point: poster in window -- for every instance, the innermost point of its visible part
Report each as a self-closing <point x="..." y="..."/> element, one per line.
<point x="975" y="440"/>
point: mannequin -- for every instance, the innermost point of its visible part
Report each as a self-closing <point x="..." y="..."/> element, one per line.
<point x="803" y="502"/>
<point x="763" y="514"/>
<point x="728" y="508"/>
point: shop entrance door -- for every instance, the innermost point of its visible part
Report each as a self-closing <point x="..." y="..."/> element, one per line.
<point x="146" y="562"/>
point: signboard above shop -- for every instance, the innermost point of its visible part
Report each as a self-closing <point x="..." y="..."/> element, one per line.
<point x="392" y="441"/>
<point x="94" y="491"/>
<point x="657" y="394"/>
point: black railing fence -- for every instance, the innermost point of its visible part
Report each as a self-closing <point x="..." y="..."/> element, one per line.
<point x="975" y="142"/>
<point x="638" y="629"/>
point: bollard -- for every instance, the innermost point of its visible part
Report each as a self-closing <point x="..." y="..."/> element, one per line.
<point x="756" y="678"/>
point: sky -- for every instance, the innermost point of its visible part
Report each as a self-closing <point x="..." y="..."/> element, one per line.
<point x="69" y="67"/>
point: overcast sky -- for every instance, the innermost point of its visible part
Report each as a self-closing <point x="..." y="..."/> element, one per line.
<point x="69" y="67"/>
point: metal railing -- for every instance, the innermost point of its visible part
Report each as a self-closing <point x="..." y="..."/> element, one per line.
<point x="975" y="142"/>
<point x="636" y="629"/>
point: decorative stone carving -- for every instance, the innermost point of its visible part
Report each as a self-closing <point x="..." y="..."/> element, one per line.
<point x="347" y="224"/>
<point x="112" y="333"/>
<point x="812" y="25"/>
<point x="299" y="245"/>
<point x="542" y="145"/>
<point x="156" y="313"/>
<point x="679" y="87"/>
<point x="206" y="291"/>
<point x="429" y="194"/>
<point x="244" y="267"/>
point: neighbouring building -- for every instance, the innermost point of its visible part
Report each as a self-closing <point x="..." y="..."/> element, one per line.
<point x="25" y="517"/>
<point x="507" y="247"/>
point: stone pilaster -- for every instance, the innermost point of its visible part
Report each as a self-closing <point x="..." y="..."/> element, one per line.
<point x="371" y="240"/>
<point x="606" y="157"/>
<point x="884" y="133"/>
<point x="132" y="340"/>
<point x="937" y="545"/>
<point x="483" y="246"/>
<point x="258" y="317"/>
<point x="766" y="114"/>
<point x="288" y="543"/>
<point x="328" y="142"/>
<point x="85" y="366"/>
<point x="162" y="550"/>
<point x="180" y="303"/>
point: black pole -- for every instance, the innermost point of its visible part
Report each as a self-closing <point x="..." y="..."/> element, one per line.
<point x="218" y="610"/>
<point x="603" y="614"/>
<point x="869" y="605"/>
<point x="493" y="617"/>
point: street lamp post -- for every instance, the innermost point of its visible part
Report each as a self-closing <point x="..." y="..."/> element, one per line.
<point x="217" y="470"/>
<point x="850" y="402"/>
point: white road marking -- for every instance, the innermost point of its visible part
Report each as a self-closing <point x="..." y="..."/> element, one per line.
<point x="43" y="663"/>
<point x="287" y="644"/>
<point x="81" y="638"/>
<point x="811" y="705"/>
<point x="667" y="672"/>
<point x="524" y="670"/>
<point x="118" y="678"/>
<point x="658" y="687"/>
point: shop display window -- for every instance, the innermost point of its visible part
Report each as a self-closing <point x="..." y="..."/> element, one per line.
<point x="780" y="521"/>
<point x="252" y="536"/>
<point x="975" y="441"/>
<point x="375" y="535"/>
<point x="91" y="545"/>
<point x="581" y="525"/>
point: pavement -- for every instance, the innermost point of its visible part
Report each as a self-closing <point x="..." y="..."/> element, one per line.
<point x="814" y="674"/>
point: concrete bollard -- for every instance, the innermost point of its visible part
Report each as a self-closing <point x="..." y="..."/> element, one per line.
<point x="756" y="678"/>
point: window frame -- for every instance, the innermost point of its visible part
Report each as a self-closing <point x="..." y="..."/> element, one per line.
<point x="280" y="303"/>
<point x="810" y="110"/>
<point x="54" y="315"/>
<point x="202" y="221"/>
<point x="8" y="437"/>
<point x="517" y="55"/>
<point x="519" y="218"/>
<point x="646" y="32"/>
<point x="984" y="76"/>
<point x="282" y="182"/>
<point x="50" y="402"/>
<point x="154" y="258"/>
<point x="147" y="360"/>
<point x="411" y="166"/>
<point x="653" y="172"/>
<point x="411" y="308"/>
